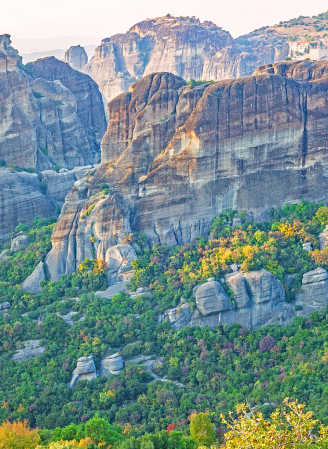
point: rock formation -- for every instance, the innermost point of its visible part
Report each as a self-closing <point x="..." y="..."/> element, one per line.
<point x="33" y="281"/>
<point x="259" y="299"/>
<point x="314" y="292"/>
<point x="180" y="45"/>
<point x="175" y="157"/>
<point x="323" y="237"/>
<point x="31" y="350"/>
<point x="85" y="370"/>
<point x="76" y="57"/>
<point x="46" y="119"/>
<point x="89" y="105"/>
<point x="111" y="365"/>
<point x="18" y="241"/>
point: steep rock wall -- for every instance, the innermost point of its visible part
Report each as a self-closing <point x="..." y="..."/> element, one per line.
<point x="89" y="106"/>
<point x="178" y="156"/>
<point x="182" y="46"/>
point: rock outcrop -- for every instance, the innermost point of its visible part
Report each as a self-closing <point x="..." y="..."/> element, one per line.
<point x="89" y="105"/>
<point x="85" y="370"/>
<point x="18" y="241"/>
<point x="55" y="118"/>
<point x="259" y="299"/>
<point x="31" y="350"/>
<point x="174" y="157"/>
<point x="50" y="114"/>
<point x="323" y="238"/>
<point x="212" y="299"/>
<point x="76" y="57"/>
<point x="179" y="317"/>
<point x="314" y="292"/>
<point x="21" y="199"/>
<point x="112" y="364"/>
<point x="180" y="45"/>
<point x="33" y="281"/>
<point x="5" y="306"/>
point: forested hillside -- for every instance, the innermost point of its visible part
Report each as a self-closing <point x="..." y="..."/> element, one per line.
<point x="197" y="370"/>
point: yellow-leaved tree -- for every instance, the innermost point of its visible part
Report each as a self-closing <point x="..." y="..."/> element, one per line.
<point x="289" y="429"/>
<point x="18" y="435"/>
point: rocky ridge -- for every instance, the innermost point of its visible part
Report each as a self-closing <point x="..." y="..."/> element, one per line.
<point x="180" y="45"/>
<point x="175" y="157"/>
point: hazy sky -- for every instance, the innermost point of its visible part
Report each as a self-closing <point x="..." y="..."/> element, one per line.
<point x="52" y="18"/>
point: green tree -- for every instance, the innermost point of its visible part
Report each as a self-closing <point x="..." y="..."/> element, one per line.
<point x="202" y="430"/>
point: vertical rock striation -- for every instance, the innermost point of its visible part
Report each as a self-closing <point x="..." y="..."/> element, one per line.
<point x="76" y="57"/>
<point x="174" y="157"/>
<point x="180" y="45"/>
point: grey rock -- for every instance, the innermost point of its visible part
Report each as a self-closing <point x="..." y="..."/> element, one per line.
<point x="58" y="184"/>
<point x="179" y="317"/>
<point x="307" y="246"/>
<point x="314" y="292"/>
<point x="237" y="221"/>
<point x="18" y="241"/>
<point x="76" y="57"/>
<point x="32" y="349"/>
<point x="112" y="290"/>
<point x="21" y="200"/>
<point x="85" y="370"/>
<point x="119" y="258"/>
<point x="317" y="275"/>
<point x="111" y="365"/>
<point x="5" y="306"/>
<point x="212" y="299"/>
<point x="33" y="281"/>
<point x="3" y="255"/>
<point x="323" y="237"/>
<point x="79" y="172"/>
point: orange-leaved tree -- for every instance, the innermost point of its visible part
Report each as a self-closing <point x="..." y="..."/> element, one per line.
<point x="18" y="435"/>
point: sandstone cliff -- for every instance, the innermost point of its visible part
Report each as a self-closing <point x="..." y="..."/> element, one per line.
<point x="182" y="46"/>
<point x="174" y="157"/>
<point x="76" y="57"/>
<point x="42" y="124"/>
<point x="89" y="106"/>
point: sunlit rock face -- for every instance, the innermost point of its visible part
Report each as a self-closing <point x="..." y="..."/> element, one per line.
<point x="175" y="157"/>
<point x="180" y="45"/>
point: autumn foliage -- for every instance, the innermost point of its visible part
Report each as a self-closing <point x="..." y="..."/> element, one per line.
<point x="18" y="435"/>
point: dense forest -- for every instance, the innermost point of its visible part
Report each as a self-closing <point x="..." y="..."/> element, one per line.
<point x="197" y="370"/>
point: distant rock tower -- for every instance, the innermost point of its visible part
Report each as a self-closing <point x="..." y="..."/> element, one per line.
<point x="76" y="57"/>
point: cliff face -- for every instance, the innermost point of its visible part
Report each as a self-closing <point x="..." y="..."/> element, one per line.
<point x="176" y="157"/>
<point x="89" y="106"/>
<point x="187" y="48"/>
<point x="42" y="124"/>
<point x="76" y="57"/>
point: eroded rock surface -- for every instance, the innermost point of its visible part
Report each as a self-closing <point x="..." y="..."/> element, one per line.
<point x="33" y="281"/>
<point x="314" y="291"/>
<point x="175" y="157"/>
<point x="19" y="240"/>
<point x="112" y="364"/>
<point x="323" y="237"/>
<point x="180" y="45"/>
<point x="179" y="317"/>
<point x="85" y="370"/>
<point x="21" y="199"/>
<point x="31" y="350"/>
<point x="76" y="57"/>
<point x="212" y="299"/>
